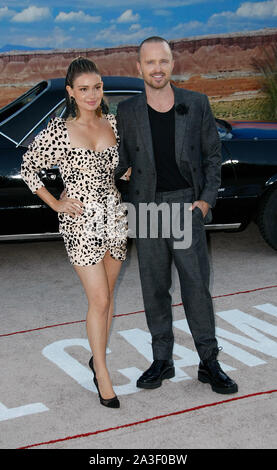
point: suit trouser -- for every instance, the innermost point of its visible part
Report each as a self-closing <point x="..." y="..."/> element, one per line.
<point x="155" y="257"/>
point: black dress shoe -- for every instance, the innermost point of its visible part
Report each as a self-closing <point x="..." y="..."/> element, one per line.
<point x="157" y="372"/>
<point x="210" y="372"/>
<point x="109" y="402"/>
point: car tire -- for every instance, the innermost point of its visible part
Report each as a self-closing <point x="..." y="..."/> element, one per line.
<point x="267" y="217"/>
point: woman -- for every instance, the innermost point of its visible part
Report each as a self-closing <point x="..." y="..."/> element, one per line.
<point x="91" y="217"/>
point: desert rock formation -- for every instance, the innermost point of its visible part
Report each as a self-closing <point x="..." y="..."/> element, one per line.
<point x="219" y="65"/>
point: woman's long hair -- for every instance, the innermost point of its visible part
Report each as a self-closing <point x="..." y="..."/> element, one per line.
<point x="77" y="67"/>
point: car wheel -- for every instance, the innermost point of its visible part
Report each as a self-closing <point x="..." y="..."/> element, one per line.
<point x="267" y="218"/>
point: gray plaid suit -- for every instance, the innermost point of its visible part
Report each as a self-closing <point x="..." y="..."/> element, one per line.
<point x="198" y="148"/>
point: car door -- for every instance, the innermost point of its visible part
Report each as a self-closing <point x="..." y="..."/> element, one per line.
<point x="23" y="214"/>
<point x="223" y="212"/>
<point x="21" y="211"/>
<point x="254" y="163"/>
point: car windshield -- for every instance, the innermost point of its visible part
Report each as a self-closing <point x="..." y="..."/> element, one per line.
<point x="224" y="129"/>
<point x="19" y="103"/>
<point x="55" y="113"/>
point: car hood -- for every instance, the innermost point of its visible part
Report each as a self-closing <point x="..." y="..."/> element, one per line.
<point x="253" y="130"/>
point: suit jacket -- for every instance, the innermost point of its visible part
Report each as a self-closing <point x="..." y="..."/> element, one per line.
<point x="196" y="142"/>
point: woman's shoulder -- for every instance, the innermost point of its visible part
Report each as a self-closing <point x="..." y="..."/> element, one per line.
<point x="55" y="124"/>
<point x="53" y="132"/>
<point x="57" y="121"/>
<point x="112" y="120"/>
<point x="110" y="117"/>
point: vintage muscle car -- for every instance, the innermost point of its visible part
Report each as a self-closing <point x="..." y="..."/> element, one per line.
<point x="249" y="165"/>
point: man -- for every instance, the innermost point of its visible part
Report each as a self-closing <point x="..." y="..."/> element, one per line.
<point x="170" y="141"/>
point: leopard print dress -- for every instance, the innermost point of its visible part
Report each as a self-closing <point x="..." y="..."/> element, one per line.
<point x="88" y="176"/>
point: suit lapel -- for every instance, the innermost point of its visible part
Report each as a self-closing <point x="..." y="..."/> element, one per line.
<point x="181" y="121"/>
<point x="143" y="124"/>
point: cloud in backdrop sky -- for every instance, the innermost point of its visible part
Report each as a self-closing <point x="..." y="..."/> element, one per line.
<point x="105" y="23"/>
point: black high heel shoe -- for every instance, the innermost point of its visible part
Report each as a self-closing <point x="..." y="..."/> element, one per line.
<point x="109" y="402"/>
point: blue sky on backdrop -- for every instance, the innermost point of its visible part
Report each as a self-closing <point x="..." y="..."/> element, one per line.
<point x="108" y="23"/>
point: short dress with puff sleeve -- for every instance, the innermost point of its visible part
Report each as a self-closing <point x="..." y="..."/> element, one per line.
<point x="88" y="176"/>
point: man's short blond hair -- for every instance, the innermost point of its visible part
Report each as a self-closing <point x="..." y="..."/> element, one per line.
<point x="152" y="39"/>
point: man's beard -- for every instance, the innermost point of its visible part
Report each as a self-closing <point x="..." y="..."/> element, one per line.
<point x="155" y="85"/>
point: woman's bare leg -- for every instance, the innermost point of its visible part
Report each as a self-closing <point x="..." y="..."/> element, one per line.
<point x="95" y="282"/>
<point x="112" y="267"/>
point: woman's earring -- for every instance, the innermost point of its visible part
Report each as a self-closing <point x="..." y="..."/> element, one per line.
<point x="104" y="106"/>
<point x="73" y="107"/>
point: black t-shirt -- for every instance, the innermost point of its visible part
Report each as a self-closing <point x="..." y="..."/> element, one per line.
<point x="162" y="126"/>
